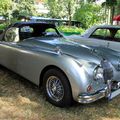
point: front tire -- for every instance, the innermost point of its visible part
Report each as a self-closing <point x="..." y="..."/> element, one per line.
<point x="57" y="88"/>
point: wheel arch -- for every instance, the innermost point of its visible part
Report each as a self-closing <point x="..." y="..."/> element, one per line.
<point x="48" y="68"/>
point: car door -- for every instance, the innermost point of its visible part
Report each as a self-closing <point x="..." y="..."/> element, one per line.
<point x="115" y="43"/>
<point x="8" y="50"/>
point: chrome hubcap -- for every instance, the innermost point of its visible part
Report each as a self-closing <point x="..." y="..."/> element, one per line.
<point x="55" y="88"/>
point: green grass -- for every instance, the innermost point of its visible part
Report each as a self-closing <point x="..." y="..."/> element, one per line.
<point x="21" y="100"/>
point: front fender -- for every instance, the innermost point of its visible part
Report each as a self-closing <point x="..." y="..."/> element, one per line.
<point x="77" y="75"/>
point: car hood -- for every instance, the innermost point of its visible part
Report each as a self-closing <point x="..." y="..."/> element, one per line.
<point x="109" y="54"/>
<point x="67" y="47"/>
<point x="74" y="37"/>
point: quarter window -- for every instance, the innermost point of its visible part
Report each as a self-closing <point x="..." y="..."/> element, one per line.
<point x="101" y="34"/>
<point x="117" y="35"/>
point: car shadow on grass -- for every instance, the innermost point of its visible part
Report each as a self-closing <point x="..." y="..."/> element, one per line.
<point x="21" y="99"/>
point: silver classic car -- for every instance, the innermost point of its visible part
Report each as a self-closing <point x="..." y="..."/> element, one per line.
<point x="101" y="35"/>
<point x="67" y="70"/>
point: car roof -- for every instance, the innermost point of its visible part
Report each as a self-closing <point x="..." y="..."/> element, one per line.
<point x="88" y="32"/>
<point x="18" y="24"/>
<point x="107" y="26"/>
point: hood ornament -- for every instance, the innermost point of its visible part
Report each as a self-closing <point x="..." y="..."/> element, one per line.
<point x="58" y="50"/>
<point x="93" y="50"/>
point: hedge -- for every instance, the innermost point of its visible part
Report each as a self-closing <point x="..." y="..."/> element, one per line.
<point x="68" y="30"/>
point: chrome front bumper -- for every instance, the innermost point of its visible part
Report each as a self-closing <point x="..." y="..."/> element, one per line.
<point x="100" y="94"/>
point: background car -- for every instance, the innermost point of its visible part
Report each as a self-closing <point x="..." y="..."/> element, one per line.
<point x="66" y="70"/>
<point x="104" y="35"/>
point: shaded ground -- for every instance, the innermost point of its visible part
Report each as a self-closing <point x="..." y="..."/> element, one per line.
<point x="21" y="100"/>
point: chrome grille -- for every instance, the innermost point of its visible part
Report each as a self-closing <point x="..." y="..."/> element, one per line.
<point x="108" y="71"/>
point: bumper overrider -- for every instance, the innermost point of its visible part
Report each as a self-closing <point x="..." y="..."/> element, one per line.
<point x="106" y="92"/>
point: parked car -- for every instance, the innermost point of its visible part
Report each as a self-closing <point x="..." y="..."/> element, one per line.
<point x="66" y="70"/>
<point x="102" y="35"/>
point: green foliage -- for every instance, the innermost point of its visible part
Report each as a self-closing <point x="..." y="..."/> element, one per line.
<point x="61" y="8"/>
<point x="88" y="14"/>
<point x="117" y="10"/>
<point x="69" y="8"/>
<point x="5" y="8"/>
<point x="110" y="6"/>
<point x="2" y="26"/>
<point x="55" y="8"/>
<point x="24" y="8"/>
<point x="71" y="30"/>
<point x="12" y="9"/>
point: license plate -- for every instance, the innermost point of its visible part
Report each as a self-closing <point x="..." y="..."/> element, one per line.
<point x="114" y="94"/>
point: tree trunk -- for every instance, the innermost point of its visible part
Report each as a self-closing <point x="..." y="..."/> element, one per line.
<point x="69" y="13"/>
<point x="106" y="11"/>
<point x="109" y="15"/>
<point x="113" y="13"/>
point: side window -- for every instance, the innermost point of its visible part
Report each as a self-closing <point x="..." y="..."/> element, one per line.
<point x="26" y="32"/>
<point x="51" y="32"/>
<point x="27" y="29"/>
<point x="12" y="35"/>
<point x="117" y="36"/>
<point x="101" y="34"/>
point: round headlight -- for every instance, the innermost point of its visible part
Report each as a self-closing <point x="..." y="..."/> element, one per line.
<point x="98" y="73"/>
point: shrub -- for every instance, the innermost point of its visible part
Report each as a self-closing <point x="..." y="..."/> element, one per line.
<point x="2" y="26"/>
<point x="70" y="29"/>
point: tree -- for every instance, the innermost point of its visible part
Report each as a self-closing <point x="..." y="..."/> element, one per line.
<point x="69" y="7"/>
<point x="25" y="7"/>
<point x="88" y="14"/>
<point x="118" y="7"/>
<point x="6" y="9"/>
<point x="55" y="8"/>
<point x="61" y="8"/>
<point x="110" y="5"/>
<point x="12" y="9"/>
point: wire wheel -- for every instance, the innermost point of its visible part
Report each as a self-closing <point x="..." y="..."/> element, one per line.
<point x="55" y="88"/>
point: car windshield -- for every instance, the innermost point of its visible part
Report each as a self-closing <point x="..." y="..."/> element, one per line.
<point x="87" y="32"/>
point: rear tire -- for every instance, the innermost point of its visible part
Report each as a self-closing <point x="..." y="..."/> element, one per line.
<point x="57" y="88"/>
